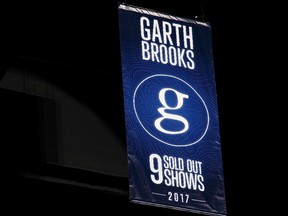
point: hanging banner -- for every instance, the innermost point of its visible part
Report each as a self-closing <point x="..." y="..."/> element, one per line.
<point x="171" y="114"/>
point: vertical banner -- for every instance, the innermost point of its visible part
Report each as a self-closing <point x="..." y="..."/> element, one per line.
<point x="171" y="114"/>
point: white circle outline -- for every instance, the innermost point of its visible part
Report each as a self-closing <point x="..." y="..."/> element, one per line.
<point x="170" y="144"/>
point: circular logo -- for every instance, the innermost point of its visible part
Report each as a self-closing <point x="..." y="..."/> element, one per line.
<point x="170" y="110"/>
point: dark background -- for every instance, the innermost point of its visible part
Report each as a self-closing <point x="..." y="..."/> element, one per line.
<point x="69" y="36"/>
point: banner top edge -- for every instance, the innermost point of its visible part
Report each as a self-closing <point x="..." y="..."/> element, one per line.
<point x="160" y="14"/>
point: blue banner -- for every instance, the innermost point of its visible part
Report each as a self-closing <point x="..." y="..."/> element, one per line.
<point x="171" y="114"/>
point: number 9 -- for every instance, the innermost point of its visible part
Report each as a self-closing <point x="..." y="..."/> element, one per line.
<point x="153" y="160"/>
